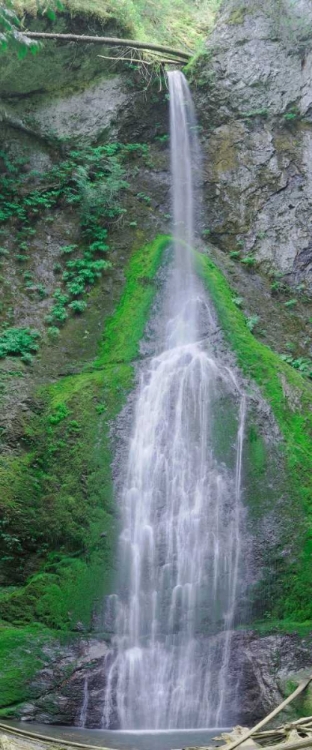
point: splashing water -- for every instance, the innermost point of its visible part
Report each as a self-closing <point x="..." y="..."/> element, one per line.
<point x="181" y="505"/>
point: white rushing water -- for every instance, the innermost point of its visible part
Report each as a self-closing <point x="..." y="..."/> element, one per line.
<point x="181" y="505"/>
<point x="85" y="702"/>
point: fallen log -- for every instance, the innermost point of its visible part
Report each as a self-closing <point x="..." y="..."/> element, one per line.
<point x="47" y="738"/>
<point x="303" y="685"/>
<point x="290" y="745"/>
<point x="111" y="42"/>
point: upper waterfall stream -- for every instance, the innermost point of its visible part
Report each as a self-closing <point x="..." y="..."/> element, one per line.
<point x="180" y="544"/>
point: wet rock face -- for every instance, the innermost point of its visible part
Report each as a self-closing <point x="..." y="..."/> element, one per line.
<point x="264" y="670"/>
<point x="254" y="97"/>
<point x="267" y="670"/>
<point x="61" y="686"/>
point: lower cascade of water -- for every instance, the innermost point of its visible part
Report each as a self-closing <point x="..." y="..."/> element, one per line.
<point x="180" y="545"/>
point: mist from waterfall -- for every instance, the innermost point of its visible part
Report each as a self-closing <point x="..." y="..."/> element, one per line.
<point x="180" y="544"/>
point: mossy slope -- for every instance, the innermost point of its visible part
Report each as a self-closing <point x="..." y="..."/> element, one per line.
<point x="58" y="501"/>
<point x="287" y="593"/>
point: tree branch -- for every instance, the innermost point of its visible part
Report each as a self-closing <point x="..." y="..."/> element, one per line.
<point x="138" y="60"/>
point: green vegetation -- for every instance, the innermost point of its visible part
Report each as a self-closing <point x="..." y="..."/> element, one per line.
<point x="12" y="36"/>
<point x="248" y="261"/>
<point x="91" y="180"/>
<point x="237" y="16"/>
<point x="21" y="342"/>
<point x="286" y="594"/>
<point x="252" y="322"/>
<point x="21" y="656"/>
<point x="178" y="22"/>
<point x="133" y="308"/>
<point x="303" y="364"/>
<point x="58" y="495"/>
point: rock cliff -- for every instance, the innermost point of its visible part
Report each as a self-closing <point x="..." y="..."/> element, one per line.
<point x="70" y="122"/>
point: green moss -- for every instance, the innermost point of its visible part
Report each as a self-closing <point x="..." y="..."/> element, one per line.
<point x="289" y="595"/>
<point x="237" y="16"/>
<point x="178" y="22"/>
<point x="58" y="495"/>
<point x="21" y="655"/>
<point x="271" y="626"/>
<point x="125" y="329"/>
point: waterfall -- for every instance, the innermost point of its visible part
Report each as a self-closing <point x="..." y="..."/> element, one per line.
<point x="180" y="544"/>
<point x="85" y="703"/>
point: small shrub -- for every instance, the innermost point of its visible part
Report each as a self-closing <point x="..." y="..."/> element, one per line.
<point x="73" y="426"/>
<point x="303" y="364"/>
<point x="144" y="197"/>
<point x="249" y="261"/>
<point x="291" y="303"/>
<point x="78" y="305"/>
<point x="252" y="322"/>
<point x="101" y="408"/>
<point x="238" y="301"/>
<point x="98" y="247"/>
<point x="75" y="288"/>
<point x="235" y="254"/>
<point x="27" y="358"/>
<point x="41" y="290"/>
<point x="19" y="342"/>
<point x="53" y="332"/>
<point x="61" y="412"/>
<point x="58" y="314"/>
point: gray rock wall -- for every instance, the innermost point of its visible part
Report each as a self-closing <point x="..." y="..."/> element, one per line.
<point x="254" y="97"/>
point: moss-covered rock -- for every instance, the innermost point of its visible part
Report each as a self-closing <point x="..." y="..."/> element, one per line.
<point x="286" y="590"/>
<point x="59" y="494"/>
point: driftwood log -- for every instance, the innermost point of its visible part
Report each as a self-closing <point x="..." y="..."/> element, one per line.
<point x="303" y="685"/>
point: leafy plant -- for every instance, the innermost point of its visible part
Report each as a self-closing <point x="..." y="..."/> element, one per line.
<point x="60" y="413"/>
<point x="41" y="290"/>
<point x="21" y="342"/>
<point x="252" y="321"/>
<point x="249" y="261"/>
<point x="292" y="115"/>
<point x="291" y="303"/>
<point x="143" y="197"/>
<point x="78" y="305"/>
<point x="303" y="364"/>
<point x="238" y="301"/>
<point x="53" y="332"/>
<point x="235" y="254"/>
<point x="276" y="286"/>
<point x="12" y="35"/>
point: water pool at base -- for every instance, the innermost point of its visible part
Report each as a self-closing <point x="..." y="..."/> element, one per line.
<point x="170" y="739"/>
